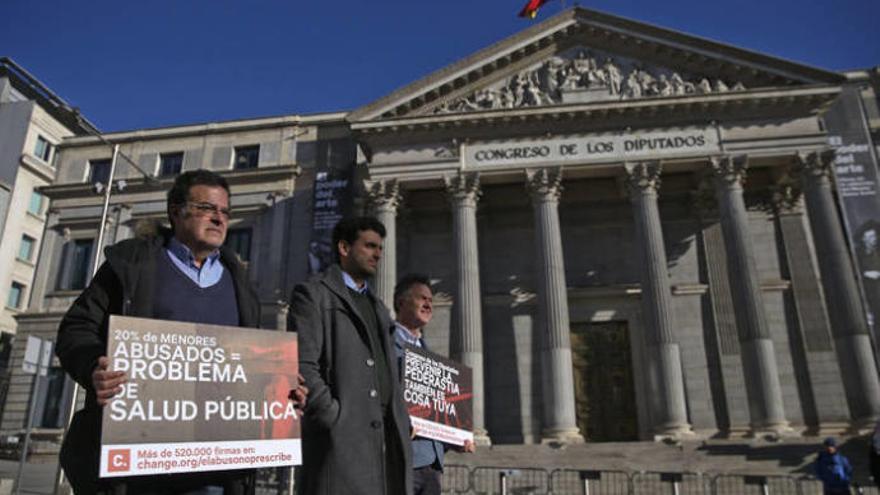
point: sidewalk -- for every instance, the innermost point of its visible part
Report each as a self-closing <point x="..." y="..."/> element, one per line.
<point x="37" y="478"/>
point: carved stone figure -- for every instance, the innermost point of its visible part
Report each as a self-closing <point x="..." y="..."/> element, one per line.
<point x="613" y="76"/>
<point x="705" y="86"/>
<point x="633" y="87"/>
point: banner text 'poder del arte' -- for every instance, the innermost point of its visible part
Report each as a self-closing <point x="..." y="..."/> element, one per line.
<point x="439" y="396"/>
<point x="199" y="398"/>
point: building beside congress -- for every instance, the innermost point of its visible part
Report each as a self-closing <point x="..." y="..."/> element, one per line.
<point x="634" y="233"/>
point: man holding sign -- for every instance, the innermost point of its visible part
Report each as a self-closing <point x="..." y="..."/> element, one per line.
<point x="355" y="430"/>
<point x="414" y="305"/>
<point x="182" y="275"/>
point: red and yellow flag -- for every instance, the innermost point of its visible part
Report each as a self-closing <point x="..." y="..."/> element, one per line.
<point x="531" y="8"/>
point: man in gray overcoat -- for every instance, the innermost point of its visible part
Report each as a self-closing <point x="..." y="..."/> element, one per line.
<point x="355" y="428"/>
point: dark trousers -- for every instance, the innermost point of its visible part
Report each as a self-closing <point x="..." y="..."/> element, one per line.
<point x="426" y="481"/>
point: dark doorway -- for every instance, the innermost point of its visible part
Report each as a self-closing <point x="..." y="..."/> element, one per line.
<point x="603" y="379"/>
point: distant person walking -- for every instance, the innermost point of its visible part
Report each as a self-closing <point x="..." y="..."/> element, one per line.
<point x="833" y="469"/>
<point x="874" y="455"/>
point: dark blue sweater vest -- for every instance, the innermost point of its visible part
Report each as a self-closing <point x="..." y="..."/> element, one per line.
<point x="178" y="298"/>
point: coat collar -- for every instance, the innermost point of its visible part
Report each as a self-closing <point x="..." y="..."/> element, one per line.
<point x="332" y="279"/>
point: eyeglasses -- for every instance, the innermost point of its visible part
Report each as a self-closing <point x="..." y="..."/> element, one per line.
<point x="209" y="209"/>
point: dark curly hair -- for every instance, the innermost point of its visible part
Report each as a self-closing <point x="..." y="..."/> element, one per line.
<point x="348" y="230"/>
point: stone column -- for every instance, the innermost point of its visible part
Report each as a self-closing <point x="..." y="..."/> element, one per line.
<point x="560" y="417"/>
<point x="467" y="320"/>
<point x="766" y="409"/>
<point x="850" y="329"/>
<point x="384" y="198"/>
<point x="669" y="409"/>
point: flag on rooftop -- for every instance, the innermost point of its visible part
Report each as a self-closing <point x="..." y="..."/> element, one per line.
<point x="530" y="10"/>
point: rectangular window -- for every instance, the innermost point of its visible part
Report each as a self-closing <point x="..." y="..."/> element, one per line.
<point x="16" y="294"/>
<point x="52" y="406"/>
<point x="36" y="204"/>
<point x="246" y="157"/>
<point x="26" y="249"/>
<point x="43" y="149"/>
<point x="239" y="240"/>
<point x="99" y="171"/>
<point x="75" y="262"/>
<point x="170" y="164"/>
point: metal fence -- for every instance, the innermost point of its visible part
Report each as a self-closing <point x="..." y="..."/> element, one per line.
<point x="590" y="482"/>
<point x="464" y="480"/>
<point x="492" y="481"/>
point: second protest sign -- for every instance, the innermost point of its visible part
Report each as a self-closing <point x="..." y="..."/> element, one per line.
<point x="439" y="396"/>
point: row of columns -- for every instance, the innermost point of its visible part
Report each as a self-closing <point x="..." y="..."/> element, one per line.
<point x="665" y="377"/>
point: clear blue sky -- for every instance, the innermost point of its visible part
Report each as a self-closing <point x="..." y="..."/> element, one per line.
<point x="132" y="64"/>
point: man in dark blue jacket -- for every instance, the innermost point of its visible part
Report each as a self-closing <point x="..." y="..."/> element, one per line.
<point x="833" y="469"/>
<point x="414" y="305"/>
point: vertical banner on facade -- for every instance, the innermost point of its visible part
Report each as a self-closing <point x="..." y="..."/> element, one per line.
<point x="439" y="396"/>
<point x="855" y="171"/>
<point x="199" y="398"/>
<point x="332" y="201"/>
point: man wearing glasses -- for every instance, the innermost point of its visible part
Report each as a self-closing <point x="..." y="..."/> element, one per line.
<point x="184" y="274"/>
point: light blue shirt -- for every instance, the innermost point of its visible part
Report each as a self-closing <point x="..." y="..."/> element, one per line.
<point x="350" y="283"/>
<point x="406" y="336"/>
<point x="210" y="272"/>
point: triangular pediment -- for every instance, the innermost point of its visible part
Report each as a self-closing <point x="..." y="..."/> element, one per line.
<point x="582" y="56"/>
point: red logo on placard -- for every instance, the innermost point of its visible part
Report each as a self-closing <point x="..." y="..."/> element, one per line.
<point x="118" y="460"/>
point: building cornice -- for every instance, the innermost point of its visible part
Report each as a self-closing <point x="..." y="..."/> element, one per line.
<point x="140" y="185"/>
<point x="799" y="100"/>
<point x="211" y="128"/>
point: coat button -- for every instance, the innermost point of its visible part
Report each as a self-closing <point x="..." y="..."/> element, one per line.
<point x="370" y="362"/>
<point x="376" y="424"/>
<point x="373" y="393"/>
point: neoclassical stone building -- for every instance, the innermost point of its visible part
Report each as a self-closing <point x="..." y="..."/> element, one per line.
<point x="636" y="230"/>
<point x="633" y="232"/>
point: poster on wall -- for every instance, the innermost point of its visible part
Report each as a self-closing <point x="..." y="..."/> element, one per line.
<point x="856" y="178"/>
<point x="199" y="398"/>
<point x="332" y="195"/>
<point x="332" y="201"/>
<point x="439" y="396"/>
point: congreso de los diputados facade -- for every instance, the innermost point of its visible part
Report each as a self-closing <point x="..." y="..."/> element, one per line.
<point x="634" y="233"/>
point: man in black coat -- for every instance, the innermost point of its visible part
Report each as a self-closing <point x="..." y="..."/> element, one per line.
<point x="206" y="284"/>
<point x="355" y="426"/>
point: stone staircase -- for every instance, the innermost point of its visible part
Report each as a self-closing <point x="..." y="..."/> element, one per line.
<point x="792" y="457"/>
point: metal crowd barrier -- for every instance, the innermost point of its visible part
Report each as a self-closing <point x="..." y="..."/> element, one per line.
<point x="729" y="484"/>
<point x="456" y="479"/>
<point x="672" y="483"/>
<point x="509" y="481"/>
<point x="462" y="480"/>
<point x="590" y="482"/>
<point x="811" y="486"/>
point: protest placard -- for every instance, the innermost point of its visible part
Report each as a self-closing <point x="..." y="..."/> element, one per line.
<point x="199" y="398"/>
<point x="439" y="396"/>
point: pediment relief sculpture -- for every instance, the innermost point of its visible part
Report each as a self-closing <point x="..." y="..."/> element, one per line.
<point x="585" y="77"/>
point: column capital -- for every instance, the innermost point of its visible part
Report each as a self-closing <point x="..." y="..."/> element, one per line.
<point x="383" y="194"/>
<point x="729" y="170"/>
<point x="642" y="177"/>
<point x="815" y="164"/>
<point x="463" y="187"/>
<point x="544" y="183"/>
